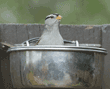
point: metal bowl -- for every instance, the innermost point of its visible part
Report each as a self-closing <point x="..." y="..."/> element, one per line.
<point x="56" y="66"/>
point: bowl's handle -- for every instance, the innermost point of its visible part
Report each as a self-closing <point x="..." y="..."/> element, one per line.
<point x="36" y="39"/>
<point x="27" y="43"/>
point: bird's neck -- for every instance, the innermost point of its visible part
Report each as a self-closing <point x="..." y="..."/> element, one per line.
<point x="52" y="27"/>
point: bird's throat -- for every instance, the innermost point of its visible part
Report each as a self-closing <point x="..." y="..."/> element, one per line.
<point x="53" y="27"/>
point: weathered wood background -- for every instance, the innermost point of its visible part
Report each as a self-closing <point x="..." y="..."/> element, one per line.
<point x="17" y="33"/>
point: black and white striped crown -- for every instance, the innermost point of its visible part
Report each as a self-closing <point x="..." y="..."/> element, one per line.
<point x="52" y="15"/>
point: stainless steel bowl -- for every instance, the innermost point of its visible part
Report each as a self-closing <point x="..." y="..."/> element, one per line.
<point x="56" y="66"/>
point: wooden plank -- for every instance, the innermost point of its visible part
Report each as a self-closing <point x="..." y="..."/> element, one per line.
<point x="33" y="30"/>
<point x="71" y="32"/>
<point x="22" y="33"/>
<point x="97" y="35"/>
<point x="65" y="32"/>
<point x="79" y="33"/>
<point x="84" y="34"/>
<point x="1" y="26"/>
<point x="106" y="45"/>
<point x="92" y="34"/>
<point x="1" y="32"/>
<point x="6" y="82"/>
<point x="8" y="33"/>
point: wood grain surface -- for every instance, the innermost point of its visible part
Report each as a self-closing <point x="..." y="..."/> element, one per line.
<point x="96" y="34"/>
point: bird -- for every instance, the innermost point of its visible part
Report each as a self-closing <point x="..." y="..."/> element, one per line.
<point x="51" y="34"/>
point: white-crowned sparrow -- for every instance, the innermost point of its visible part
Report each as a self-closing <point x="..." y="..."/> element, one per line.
<point x="51" y="34"/>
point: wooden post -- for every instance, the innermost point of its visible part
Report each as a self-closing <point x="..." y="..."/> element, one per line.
<point x="96" y="34"/>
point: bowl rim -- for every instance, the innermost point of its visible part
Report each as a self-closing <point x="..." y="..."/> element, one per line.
<point x="57" y="48"/>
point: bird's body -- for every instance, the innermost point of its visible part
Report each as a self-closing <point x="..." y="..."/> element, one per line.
<point x="51" y="34"/>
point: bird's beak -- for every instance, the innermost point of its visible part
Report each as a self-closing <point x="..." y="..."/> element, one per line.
<point x="59" y="17"/>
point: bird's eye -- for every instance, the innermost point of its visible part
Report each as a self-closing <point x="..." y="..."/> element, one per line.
<point x="51" y="17"/>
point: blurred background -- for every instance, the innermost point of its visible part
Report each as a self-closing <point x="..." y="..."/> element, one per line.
<point x="76" y="12"/>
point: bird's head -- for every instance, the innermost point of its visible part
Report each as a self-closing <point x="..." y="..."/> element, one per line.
<point x="53" y="19"/>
